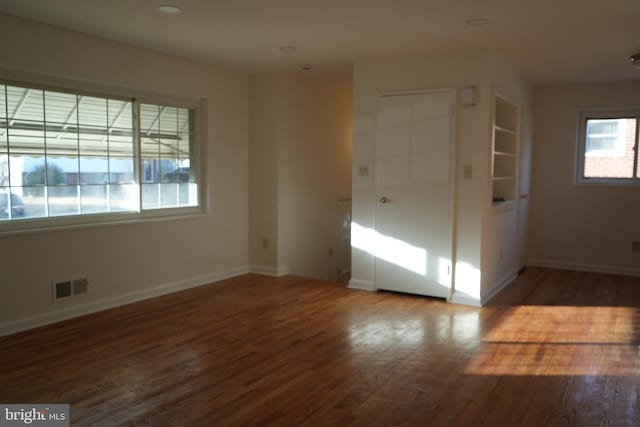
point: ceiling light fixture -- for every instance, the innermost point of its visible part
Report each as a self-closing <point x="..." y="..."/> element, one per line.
<point x="635" y="60"/>
<point x="477" y="22"/>
<point x="168" y="9"/>
<point x="288" y="49"/>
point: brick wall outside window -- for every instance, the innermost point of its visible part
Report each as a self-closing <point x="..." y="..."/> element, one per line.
<point x="613" y="167"/>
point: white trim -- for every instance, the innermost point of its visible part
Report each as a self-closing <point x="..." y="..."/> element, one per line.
<point x="116" y="301"/>
<point x="363" y="285"/>
<point x="461" y="298"/>
<point x="65" y="223"/>
<point x="269" y="271"/>
<point x="592" y="268"/>
<point x="500" y="285"/>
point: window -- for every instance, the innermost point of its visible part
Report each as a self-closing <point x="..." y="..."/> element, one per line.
<point x="70" y="154"/>
<point x="608" y="148"/>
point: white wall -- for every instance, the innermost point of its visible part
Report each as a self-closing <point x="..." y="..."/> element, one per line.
<point x="264" y="115"/>
<point x="501" y="238"/>
<point x="582" y="227"/>
<point x="476" y="271"/>
<point x="445" y="70"/>
<point x="314" y="170"/>
<point x="129" y="261"/>
<point x="301" y="155"/>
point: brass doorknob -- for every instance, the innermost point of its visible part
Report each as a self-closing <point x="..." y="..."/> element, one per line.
<point x="383" y="199"/>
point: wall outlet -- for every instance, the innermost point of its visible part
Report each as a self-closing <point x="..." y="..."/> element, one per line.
<point x="363" y="170"/>
<point x="635" y="246"/>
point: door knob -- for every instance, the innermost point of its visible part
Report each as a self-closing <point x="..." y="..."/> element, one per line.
<point x="383" y="199"/>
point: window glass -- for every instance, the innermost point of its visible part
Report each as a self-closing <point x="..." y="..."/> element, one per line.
<point x="65" y="154"/>
<point x="167" y="151"/>
<point x="607" y="149"/>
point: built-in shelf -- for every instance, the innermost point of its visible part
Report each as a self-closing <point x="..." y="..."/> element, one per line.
<point x="507" y="205"/>
<point x="501" y="129"/>
<point x="504" y="150"/>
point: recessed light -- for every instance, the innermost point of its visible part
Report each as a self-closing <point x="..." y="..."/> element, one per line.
<point x="306" y="67"/>
<point x="477" y="22"/>
<point x="635" y="60"/>
<point x="169" y="9"/>
<point x="288" y="49"/>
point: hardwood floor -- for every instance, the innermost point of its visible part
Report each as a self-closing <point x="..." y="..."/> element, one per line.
<point x="554" y="348"/>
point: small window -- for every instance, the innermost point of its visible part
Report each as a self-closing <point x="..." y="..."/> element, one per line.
<point x="608" y="148"/>
<point x="65" y="154"/>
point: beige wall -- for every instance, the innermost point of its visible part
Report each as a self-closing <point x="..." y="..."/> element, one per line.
<point x="125" y="262"/>
<point x="300" y="165"/>
<point x="314" y="170"/>
<point x="582" y="227"/>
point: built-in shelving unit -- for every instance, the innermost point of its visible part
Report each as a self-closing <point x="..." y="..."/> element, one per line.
<point x="504" y="151"/>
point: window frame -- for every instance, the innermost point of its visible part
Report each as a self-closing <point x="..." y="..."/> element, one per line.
<point x="137" y="96"/>
<point x="581" y="143"/>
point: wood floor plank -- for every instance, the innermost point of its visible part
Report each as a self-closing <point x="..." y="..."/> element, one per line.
<point x="554" y="348"/>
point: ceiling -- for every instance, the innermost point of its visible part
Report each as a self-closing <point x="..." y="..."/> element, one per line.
<point x="545" y="40"/>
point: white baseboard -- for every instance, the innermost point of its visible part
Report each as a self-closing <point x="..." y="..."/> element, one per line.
<point x="464" y="299"/>
<point x="268" y="271"/>
<point x="363" y="285"/>
<point x="115" y="301"/>
<point x="500" y="285"/>
<point x="592" y="268"/>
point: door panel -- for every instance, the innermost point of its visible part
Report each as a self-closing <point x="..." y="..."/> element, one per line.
<point x="413" y="240"/>
<point x="525" y="185"/>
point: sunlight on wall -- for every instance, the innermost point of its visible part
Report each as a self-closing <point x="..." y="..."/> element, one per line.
<point x="559" y="340"/>
<point x="392" y="250"/>
<point x="468" y="280"/>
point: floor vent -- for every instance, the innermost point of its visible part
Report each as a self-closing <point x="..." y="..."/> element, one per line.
<point x="65" y="289"/>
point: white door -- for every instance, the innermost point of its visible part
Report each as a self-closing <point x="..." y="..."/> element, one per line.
<point x="413" y="215"/>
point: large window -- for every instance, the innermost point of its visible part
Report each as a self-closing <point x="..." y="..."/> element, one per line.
<point x="608" y="148"/>
<point x="69" y="154"/>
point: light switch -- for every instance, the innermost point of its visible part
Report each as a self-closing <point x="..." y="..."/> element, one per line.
<point x="468" y="171"/>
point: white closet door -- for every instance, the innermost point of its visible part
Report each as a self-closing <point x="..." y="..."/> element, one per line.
<point x="413" y="222"/>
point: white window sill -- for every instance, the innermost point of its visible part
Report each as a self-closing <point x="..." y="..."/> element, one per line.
<point x="42" y="225"/>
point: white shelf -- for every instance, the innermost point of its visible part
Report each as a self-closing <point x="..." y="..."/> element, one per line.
<point x="501" y="129"/>
<point x="504" y="152"/>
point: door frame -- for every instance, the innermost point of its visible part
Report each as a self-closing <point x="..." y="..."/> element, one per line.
<point x="453" y="162"/>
